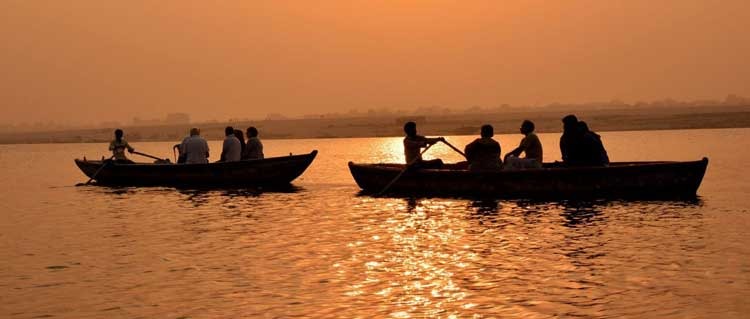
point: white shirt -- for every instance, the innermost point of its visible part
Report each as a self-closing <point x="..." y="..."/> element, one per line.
<point x="254" y="148"/>
<point x="195" y="149"/>
<point x="232" y="149"/>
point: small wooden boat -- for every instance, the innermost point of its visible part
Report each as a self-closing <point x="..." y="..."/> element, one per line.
<point x="639" y="180"/>
<point x="277" y="171"/>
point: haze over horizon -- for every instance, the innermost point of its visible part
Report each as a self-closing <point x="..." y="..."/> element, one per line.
<point x="82" y="61"/>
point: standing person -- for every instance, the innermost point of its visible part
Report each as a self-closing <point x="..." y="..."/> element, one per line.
<point x="194" y="148"/>
<point x="254" y="148"/>
<point x="231" y="150"/>
<point x="413" y="143"/>
<point x="241" y="137"/>
<point x="483" y="153"/>
<point x="118" y="147"/>
<point x="530" y="145"/>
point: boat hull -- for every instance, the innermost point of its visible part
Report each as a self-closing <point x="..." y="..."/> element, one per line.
<point x="619" y="180"/>
<point x="271" y="171"/>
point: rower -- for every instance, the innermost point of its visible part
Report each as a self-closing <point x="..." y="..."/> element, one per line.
<point x="413" y="143"/>
<point x="118" y="147"/>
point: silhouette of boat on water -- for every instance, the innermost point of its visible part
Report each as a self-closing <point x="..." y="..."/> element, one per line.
<point x="633" y="180"/>
<point x="274" y="171"/>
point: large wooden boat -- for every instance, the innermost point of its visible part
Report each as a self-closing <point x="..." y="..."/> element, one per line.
<point x="642" y="180"/>
<point x="278" y="171"/>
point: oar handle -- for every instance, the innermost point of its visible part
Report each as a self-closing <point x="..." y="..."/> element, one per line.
<point x="453" y="147"/>
<point x="149" y="156"/>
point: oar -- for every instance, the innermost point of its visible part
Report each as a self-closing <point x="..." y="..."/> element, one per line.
<point x="454" y="148"/>
<point x="151" y="156"/>
<point x="104" y="163"/>
<point x="387" y="186"/>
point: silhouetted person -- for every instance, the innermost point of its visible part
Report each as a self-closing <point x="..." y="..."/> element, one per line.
<point x="530" y="145"/>
<point x="254" y="148"/>
<point x="570" y="140"/>
<point x="231" y="150"/>
<point x="118" y="147"/>
<point x="194" y="149"/>
<point x="241" y="137"/>
<point x="483" y="153"/>
<point x="592" y="148"/>
<point x="413" y="144"/>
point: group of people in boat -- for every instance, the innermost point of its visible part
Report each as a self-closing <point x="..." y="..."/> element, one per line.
<point x="579" y="147"/>
<point x="194" y="148"/>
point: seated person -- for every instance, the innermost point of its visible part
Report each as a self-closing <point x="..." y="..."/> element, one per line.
<point x="253" y="147"/>
<point x="231" y="150"/>
<point x="240" y="137"/>
<point x="413" y="143"/>
<point x="530" y="145"/>
<point x="592" y="148"/>
<point x="483" y="153"/>
<point x="570" y="141"/>
<point x="118" y="147"/>
<point x="194" y="149"/>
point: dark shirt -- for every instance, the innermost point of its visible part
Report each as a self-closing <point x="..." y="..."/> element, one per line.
<point x="583" y="149"/>
<point x="483" y="154"/>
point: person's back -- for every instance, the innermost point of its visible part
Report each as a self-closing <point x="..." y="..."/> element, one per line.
<point x="195" y="149"/>
<point x="253" y="147"/>
<point x="592" y="148"/>
<point x="570" y="140"/>
<point x="484" y="153"/>
<point x="232" y="149"/>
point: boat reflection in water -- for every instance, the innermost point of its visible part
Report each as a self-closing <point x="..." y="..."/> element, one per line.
<point x="426" y="257"/>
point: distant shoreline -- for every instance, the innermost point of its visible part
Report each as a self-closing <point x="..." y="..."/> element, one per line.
<point x="443" y="125"/>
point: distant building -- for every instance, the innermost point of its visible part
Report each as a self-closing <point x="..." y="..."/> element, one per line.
<point x="415" y="119"/>
<point x="177" y="118"/>
<point x="276" y="117"/>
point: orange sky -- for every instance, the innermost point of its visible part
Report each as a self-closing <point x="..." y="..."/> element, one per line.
<point x="90" y="60"/>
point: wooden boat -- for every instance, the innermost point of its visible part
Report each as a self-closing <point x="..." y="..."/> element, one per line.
<point x="618" y="180"/>
<point x="277" y="171"/>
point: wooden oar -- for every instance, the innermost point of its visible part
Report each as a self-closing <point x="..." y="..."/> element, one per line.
<point x="104" y="163"/>
<point x="151" y="156"/>
<point x="453" y="147"/>
<point x="387" y="186"/>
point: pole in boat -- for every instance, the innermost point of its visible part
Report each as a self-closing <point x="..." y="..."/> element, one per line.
<point x="453" y="147"/>
<point x="152" y="157"/>
<point x="387" y="186"/>
<point x="104" y="163"/>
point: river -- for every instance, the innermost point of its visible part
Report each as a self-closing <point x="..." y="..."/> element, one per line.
<point x="323" y="251"/>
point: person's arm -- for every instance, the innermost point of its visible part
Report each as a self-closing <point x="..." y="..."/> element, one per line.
<point x="518" y="150"/>
<point x="130" y="148"/>
<point x="111" y="146"/>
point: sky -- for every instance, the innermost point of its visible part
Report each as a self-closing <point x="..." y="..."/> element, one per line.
<point x="82" y="61"/>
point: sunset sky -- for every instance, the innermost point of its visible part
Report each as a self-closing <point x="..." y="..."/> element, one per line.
<point x="90" y="60"/>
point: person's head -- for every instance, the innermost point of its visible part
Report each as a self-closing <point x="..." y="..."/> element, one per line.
<point x="239" y="135"/>
<point x="410" y="128"/>
<point x="527" y="127"/>
<point x="252" y="131"/>
<point x="118" y="134"/>
<point x="195" y="131"/>
<point x="229" y="131"/>
<point x="487" y="130"/>
<point x="583" y="127"/>
<point x="570" y="122"/>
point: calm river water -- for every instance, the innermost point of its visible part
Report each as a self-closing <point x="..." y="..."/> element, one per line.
<point x="325" y="252"/>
